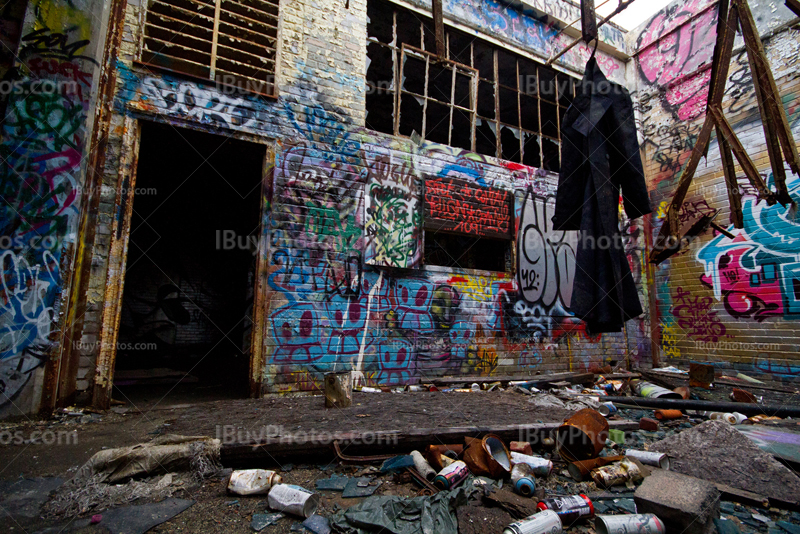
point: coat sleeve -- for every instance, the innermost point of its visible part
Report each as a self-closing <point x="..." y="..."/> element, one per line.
<point x="626" y="161"/>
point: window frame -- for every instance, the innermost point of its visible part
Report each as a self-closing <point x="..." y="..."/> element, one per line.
<point x="272" y="81"/>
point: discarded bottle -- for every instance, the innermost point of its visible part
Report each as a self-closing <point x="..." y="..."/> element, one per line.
<point x="540" y="466"/>
<point x="291" y="499"/>
<point x="656" y="459"/>
<point x="416" y="389"/>
<point x="252" y="481"/>
<point x="547" y="522"/>
<point x="365" y="389"/>
<point x="522" y="478"/>
<point x="451" y="476"/>
<point x="569" y="509"/>
<point x="625" y="524"/>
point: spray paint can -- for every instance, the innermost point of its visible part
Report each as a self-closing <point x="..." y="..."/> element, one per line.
<point x="629" y="524"/>
<point x="522" y="478"/>
<point x="569" y="509"/>
<point x="547" y="522"/>
<point x="451" y="476"/>
<point x="656" y="459"/>
<point x="540" y="466"/>
<point x="607" y="408"/>
<point x="252" y="481"/>
<point x="740" y="418"/>
<point x="647" y="389"/>
<point x="292" y="499"/>
<point x="416" y="389"/>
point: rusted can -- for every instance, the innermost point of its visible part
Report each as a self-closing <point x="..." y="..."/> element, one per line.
<point x="541" y="467"/>
<point x="416" y="389"/>
<point x="252" y="481"/>
<point x="580" y="470"/>
<point x="629" y="524"/>
<point x="582" y="436"/>
<point x="547" y="522"/>
<point x="656" y="459"/>
<point x="569" y="509"/>
<point x="668" y="414"/>
<point x="451" y="476"/>
<point x="522" y="478"/>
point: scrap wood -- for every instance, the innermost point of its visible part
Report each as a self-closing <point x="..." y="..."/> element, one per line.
<point x="519" y="507"/>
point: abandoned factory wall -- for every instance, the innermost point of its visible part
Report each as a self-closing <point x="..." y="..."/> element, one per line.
<point x="47" y="92"/>
<point x="731" y="301"/>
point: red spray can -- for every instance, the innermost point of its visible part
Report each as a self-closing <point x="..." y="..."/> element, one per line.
<point x="569" y="509"/>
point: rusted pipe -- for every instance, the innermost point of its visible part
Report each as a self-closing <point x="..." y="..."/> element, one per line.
<point x="709" y="406"/>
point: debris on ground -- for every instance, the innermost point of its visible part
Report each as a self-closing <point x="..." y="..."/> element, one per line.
<point x="685" y="504"/>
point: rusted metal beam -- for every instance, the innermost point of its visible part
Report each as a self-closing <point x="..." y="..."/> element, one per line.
<point x="588" y="20"/>
<point x="747" y="164"/>
<point x="623" y="5"/>
<point x="438" y="22"/>
<point x="731" y="182"/>
<point x="769" y="99"/>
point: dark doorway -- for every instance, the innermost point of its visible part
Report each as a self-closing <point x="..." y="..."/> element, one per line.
<point x="186" y="310"/>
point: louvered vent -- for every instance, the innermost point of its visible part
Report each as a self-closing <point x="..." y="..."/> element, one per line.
<point x="230" y="41"/>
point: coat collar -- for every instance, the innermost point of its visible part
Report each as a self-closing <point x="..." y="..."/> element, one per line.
<point x="592" y="98"/>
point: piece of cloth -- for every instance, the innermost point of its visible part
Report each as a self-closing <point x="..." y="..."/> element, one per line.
<point x="600" y="157"/>
<point x="390" y="514"/>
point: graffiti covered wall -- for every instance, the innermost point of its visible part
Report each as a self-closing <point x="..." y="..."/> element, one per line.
<point x="41" y="155"/>
<point x="345" y="202"/>
<point x="724" y="300"/>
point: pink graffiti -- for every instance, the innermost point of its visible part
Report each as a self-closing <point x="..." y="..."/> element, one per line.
<point x="695" y="317"/>
<point x="746" y="293"/>
<point x="675" y="53"/>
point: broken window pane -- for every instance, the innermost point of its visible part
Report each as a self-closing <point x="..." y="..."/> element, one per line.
<point x="380" y="72"/>
<point x="529" y="112"/>
<point x="380" y="105"/>
<point x="565" y="90"/>
<point x="547" y="84"/>
<point x="485" y="138"/>
<point x="463" y="93"/>
<point x="551" y="155"/>
<point x="410" y="115"/>
<point x="437" y="122"/>
<point x="409" y="28"/>
<point x="440" y="82"/>
<point x="429" y="35"/>
<point x="486" y="103"/>
<point x="510" y="144"/>
<point x="380" y="16"/>
<point x="460" y="47"/>
<point x="414" y="75"/>
<point x="531" y="155"/>
<point x="549" y="119"/>
<point x="461" y="135"/>
<point x="483" y="55"/>
<point x="509" y="111"/>
<point x="465" y="252"/>
<point x="507" y="69"/>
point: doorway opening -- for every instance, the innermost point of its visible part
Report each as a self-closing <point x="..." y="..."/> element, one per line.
<point x="186" y="311"/>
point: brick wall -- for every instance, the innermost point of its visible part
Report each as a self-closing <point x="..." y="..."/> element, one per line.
<point x="326" y="309"/>
<point x="733" y="302"/>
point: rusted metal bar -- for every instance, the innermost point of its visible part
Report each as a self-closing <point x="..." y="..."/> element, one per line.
<point x="588" y="20"/>
<point x="771" y="96"/>
<point x="438" y="21"/>
<point x="747" y="164"/>
<point x="731" y="182"/>
<point x="426" y="486"/>
<point x="726" y="35"/>
<point x="623" y="5"/>
<point x="574" y="22"/>
<point x="359" y="459"/>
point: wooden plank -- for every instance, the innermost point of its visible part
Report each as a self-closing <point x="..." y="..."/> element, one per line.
<point x="731" y="182"/>
<point x="573" y="378"/>
<point x="438" y="21"/>
<point x="588" y="21"/>
<point x="320" y="446"/>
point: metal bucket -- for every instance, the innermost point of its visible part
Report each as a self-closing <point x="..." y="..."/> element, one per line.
<point x="582" y="436"/>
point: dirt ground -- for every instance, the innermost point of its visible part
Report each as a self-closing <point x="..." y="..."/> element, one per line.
<point x="58" y="446"/>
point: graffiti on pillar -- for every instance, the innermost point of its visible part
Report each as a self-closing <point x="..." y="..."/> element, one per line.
<point x="40" y="158"/>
